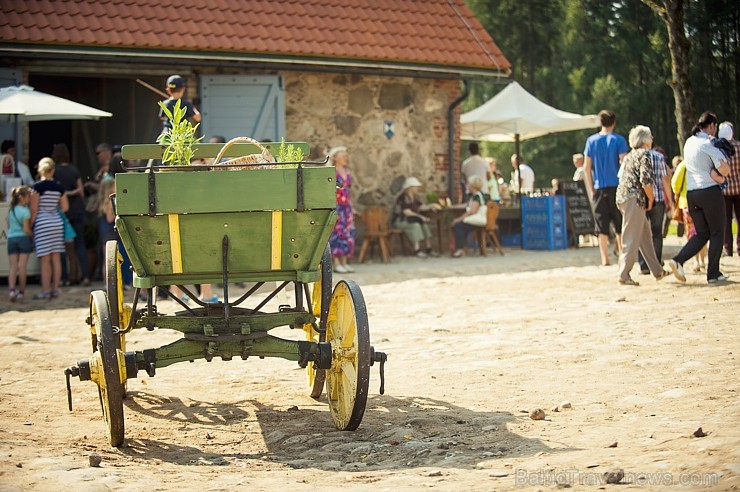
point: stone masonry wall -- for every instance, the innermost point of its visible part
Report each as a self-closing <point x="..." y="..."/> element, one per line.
<point x="329" y="110"/>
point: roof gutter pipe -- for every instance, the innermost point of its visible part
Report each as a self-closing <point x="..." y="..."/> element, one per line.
<point x="451" y="182"/>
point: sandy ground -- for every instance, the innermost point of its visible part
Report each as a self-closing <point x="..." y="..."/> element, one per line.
<point x="473" y="345"/>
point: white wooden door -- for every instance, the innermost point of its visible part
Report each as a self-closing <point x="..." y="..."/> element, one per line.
<point x="243" y="106"/>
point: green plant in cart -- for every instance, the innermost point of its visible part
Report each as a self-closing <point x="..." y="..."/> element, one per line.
<point x="179" y="139"/>
<point x="289" y="153"/>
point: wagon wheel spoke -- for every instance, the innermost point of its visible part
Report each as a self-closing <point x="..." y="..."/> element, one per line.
<point x="348" y="379"/>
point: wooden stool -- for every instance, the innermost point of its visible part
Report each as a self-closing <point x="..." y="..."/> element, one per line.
<point x="491" y="230"/>
<point x="376" y="232"/>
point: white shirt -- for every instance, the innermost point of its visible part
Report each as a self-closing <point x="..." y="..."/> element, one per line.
<point x="580" y="174"/>
<point x="475" y="165"/>
<point x="700" y="156"/>
<point x="527" y="175"/>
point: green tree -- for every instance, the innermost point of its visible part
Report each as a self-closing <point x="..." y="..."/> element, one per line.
<point x="672" y="14"/>
<point x="586" y="55"/>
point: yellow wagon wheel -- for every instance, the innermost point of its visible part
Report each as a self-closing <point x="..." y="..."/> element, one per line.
<point x="106" y="365"/>
<point x="320" y="299"/>
<point x="119" y="314"/>
<point x="348" y="332"/>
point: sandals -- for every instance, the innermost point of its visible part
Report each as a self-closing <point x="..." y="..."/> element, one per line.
<point x="46" y="295"/>
<point x="629" y="281"/>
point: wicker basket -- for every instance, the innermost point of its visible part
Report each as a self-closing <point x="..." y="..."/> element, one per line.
<point x="262" y="158"/>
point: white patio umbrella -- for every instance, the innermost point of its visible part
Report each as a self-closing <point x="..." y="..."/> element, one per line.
<point x="23" y="103"/>
<point x="514" y="114"/>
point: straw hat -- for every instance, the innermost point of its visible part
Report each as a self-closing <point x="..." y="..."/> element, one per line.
<point x="336" y="150"/>
<point x="412" y="181"/>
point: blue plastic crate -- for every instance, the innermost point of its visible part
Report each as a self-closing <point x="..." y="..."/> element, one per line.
<point x="546" y="203"/>
<point x="511" y="240"/>
<point x="537" y="217"/>
<point x="537" y="230"/>
<point x="545" y="243"/>
<point x="543" y="222"/>
<point x="543" y="209"/>
<point x="536" y="243"/>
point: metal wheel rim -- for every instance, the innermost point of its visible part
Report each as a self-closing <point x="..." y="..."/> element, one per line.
<point x="348" y="380"/>
<point x="110" y="389"/>
<point x="114" y="290"/>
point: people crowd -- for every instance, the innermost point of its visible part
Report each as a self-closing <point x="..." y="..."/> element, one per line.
<point x="58" y="218"/>
<point x="634" y="191"/>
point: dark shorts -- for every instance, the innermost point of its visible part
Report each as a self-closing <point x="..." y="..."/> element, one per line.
<point x="20" y="245"/>
<point x="605" y="210"/>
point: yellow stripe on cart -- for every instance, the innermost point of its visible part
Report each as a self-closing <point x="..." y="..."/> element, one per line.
<point x="175" y="247"/>
<point x="276" y="262"/>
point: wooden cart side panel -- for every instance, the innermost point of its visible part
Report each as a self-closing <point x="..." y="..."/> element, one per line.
<point x="303" y="238"/>
<point x="225" y="191"/>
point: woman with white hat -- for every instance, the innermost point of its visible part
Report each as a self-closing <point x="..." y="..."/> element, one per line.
<point x="407" y="217"/>
<point x="342" y="239"/>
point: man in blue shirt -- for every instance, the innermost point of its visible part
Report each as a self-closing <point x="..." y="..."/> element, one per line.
<point x="602" y="157"/>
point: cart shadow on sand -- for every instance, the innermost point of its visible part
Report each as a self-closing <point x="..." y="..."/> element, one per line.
<point x="397" y="432"/>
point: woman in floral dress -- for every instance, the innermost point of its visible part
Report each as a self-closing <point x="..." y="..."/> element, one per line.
<point x="342" y="240"/>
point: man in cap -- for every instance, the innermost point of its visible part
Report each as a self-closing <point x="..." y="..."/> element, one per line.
<point x="176" y="91"/>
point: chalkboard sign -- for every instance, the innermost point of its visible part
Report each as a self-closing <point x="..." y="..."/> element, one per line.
<point x="580" y="214"/>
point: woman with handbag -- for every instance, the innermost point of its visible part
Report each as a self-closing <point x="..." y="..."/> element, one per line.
<point x="76" y="258"/>
<point x="474" y="218"/>
<point x="635" y="196"/>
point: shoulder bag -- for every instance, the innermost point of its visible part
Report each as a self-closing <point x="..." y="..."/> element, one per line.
<point x="480" y="217"/>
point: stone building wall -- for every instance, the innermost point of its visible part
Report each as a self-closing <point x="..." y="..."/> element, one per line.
<point x="329" y="110"/>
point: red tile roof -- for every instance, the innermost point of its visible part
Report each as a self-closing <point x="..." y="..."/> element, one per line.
<point x="417" y="32"/>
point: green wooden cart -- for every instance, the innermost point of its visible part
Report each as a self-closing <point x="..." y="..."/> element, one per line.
<point x="200" y="224"/>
